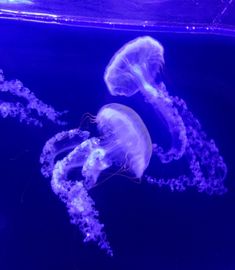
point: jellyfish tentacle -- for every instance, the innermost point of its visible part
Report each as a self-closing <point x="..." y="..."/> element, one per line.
<point x="30" y="104"/>
<point x="95" y="163"/>
<point x="206" y="164"/>
<point x="175" y="184"/>
<point x="61" y="142"/>
<point x="207" y="167"/>
<point x="81" y="209"/>
<point x="90" y="157"/>
<point x="13" y="110"/>
<point x="75" y="158"/>
<point x="80" y="205"/>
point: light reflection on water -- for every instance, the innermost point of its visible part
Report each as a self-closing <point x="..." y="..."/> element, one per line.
<point x="201" y="16"/>
<point x="15" y="2"/>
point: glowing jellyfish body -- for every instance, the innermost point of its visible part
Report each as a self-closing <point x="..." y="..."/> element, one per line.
<point x="124" y="130"/>
<point x="29" y="108"/>
<point x="134" y="68"/>
<point x="124" y="141"/>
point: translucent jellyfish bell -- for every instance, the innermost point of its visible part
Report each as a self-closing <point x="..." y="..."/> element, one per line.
<point x="125" y="137"/>
<point x="124" y="141"/>
<point x="135" y="64"/>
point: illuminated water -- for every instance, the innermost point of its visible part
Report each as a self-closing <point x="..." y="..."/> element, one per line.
<point x="148" y="227"/>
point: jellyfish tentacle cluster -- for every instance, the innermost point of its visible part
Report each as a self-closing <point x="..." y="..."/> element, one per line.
<point x="124" y="141"/>
<point x="207" y="166"/>
<point x="74" y="194"/>
<point x="28" y="105"/>
<point x="135" y="68"/>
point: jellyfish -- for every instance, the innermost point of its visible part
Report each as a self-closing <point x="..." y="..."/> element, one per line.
<point x="123" y="141"/>
<point x="28" y="109"/>
<point x="136" y="68"/>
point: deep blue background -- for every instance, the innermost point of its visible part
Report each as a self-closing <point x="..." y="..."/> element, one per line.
<point x="149" y="228"/>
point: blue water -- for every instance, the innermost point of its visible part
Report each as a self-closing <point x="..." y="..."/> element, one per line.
<point x="148" y="227"/>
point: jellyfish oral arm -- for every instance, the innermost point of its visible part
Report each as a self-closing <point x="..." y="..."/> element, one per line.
<point x="61" y="142"/>
<point x="145" y="88"/>
<point x="207" y="169"/>
<point x="16" y="110"/>
<point x="80" y="208"/>
<point x="95" y="163"/>
<point x="74" y="194"/>
<point x="162" y="103"/>
<point x="29" y="109"/>
<point x="91" y="158"/>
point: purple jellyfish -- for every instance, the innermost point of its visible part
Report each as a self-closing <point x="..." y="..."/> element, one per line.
<point x="135" y="68"/>
<point x="124" y="141"/>
<point x="28" y="105"/>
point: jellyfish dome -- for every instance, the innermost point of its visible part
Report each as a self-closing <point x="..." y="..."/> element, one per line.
<point x="126" y="136"/>
<point x="140" y="57"/>
<point x="124" y="141"/>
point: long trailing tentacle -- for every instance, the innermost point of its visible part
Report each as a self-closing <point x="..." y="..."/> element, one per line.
<point x="207" y="167"/>
<point x="30" y="104"/>
<point x="162" y="103"/>
<point x="17" y="110"/>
